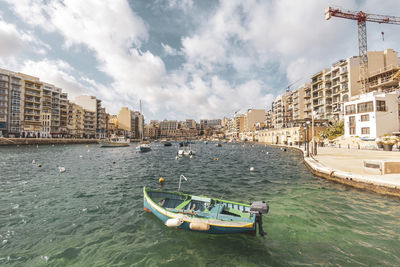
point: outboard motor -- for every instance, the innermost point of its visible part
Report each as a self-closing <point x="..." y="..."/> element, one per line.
<point x="259" y="208"/>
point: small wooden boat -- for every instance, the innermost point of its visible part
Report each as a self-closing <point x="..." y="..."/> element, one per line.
<point x="204" y="214"/>
<point x="115" y="141"/>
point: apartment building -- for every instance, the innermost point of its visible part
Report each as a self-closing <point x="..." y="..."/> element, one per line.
<point x="236" y="126"/>
<point x="63" y="131"/>
<point x="268" y="120"/>
<point x="112" y="124"/>
<point x="50" y="111"/>
<point x="205" y="123"/>
<point x="298" y="102"/>
<point x="4" y="105"/>
<point x="373" y="115"/>
<point x="382" y="65"/>
<point x="10" y="103"/>
<point x="93" y="104"/>
<point x="282" y="114"/>
<point x="75" y="124"/>
<point x="152" y="130"/>
<point x="190" y="124"/>
<point x="31" y="106"/>
<point x="132" y="122"/>
<point x="253" y="117"/>
<point x="168" y="128"/>
<point x="89" y="123"/>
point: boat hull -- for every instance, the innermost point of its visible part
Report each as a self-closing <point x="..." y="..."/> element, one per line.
<point x="143" y="149"/>
<point x="215" y="227"/>
<point x="106" y="144"/>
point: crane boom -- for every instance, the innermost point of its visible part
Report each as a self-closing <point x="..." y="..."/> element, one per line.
<point x="359" y="15"/>
<point x="361" y="18"/>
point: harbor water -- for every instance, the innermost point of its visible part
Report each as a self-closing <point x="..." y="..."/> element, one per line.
<point x="92" y="214"/>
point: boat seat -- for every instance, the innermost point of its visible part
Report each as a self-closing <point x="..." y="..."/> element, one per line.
<point x="183" y="204"/>
<point x="217" y="208"/>
<point x="171" y="203"/>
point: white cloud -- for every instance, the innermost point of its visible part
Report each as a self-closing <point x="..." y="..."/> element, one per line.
<point x="170" y="51"/>
<point x="15" y="41"/>
<point x="230" y="57"/>
<point x="59" y="73"/>
<point x="184" y="5"/>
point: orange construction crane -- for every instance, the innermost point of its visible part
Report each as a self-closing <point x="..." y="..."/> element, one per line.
<point x="361" y="18"/>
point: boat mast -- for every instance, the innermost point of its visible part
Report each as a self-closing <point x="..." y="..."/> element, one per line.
<point x="141" y="121"/>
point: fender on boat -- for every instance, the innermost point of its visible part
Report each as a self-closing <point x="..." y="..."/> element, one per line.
<point x="173" y="222"/>
<point x="199" y="226"/>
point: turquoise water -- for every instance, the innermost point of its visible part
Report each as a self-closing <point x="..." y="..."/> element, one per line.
<point x="92" y="215"/>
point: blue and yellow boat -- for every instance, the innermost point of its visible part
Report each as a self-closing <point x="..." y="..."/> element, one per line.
<point x="204" y="214"/>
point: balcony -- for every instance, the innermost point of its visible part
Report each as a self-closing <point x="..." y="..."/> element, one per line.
<point x="16" y="82"/>
<point x="32" y="93"/>
<point x="32" y="106"/>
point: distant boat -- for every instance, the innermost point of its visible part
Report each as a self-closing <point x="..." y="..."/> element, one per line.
<point x="143" y="147"/>
<point x="115" y="141"/>
<point x="166" y="143"/>
<point x="204" y="214"/>
<point x="186" y="150"/>
<point x="218" y="144"/>
<point x="184" y="143"/>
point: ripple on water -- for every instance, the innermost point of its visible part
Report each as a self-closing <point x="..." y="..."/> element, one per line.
<point x="93" y="213"/>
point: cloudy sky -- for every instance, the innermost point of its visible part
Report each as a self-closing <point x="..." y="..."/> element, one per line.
<point x="183" y="58"/>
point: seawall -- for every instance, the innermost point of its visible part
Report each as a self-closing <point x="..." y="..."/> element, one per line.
<point x="44" y="141"/>
<point x="351" y="179"/>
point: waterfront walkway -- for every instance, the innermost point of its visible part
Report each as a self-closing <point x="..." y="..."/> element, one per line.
<point x="347" y="166"/>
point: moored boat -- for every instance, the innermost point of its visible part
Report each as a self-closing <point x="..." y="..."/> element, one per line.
<point x="143" y="147"/>
<point x="186" y="151"/>
<point x="115" y="141"/>
<point x="218" y="144"/>
<point x="204" y="214"/>
<point x="166" y="143"/>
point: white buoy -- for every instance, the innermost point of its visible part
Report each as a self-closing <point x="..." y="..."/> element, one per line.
<point x="267" y="153"/>
<point x="37" y="146"/>
<point x="251" y="169"/>
<point x="61" y="169"/>
<point x="52" y="145"/>
<point x="33" y="161"/>
<point x="191" y="156"/>
<point x="80" y="156"/>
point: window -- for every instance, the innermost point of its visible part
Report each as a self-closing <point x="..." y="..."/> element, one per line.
<point x="365" y="130"/>
<point x="365" y="107"/>
<point x="350" y="109"/>
<point x="380" y="105"/>
<point x="365" y="117"/>
<point x="352" y="125"/>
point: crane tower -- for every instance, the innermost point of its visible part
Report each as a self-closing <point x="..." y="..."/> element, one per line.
<point x="361" y="18"/>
